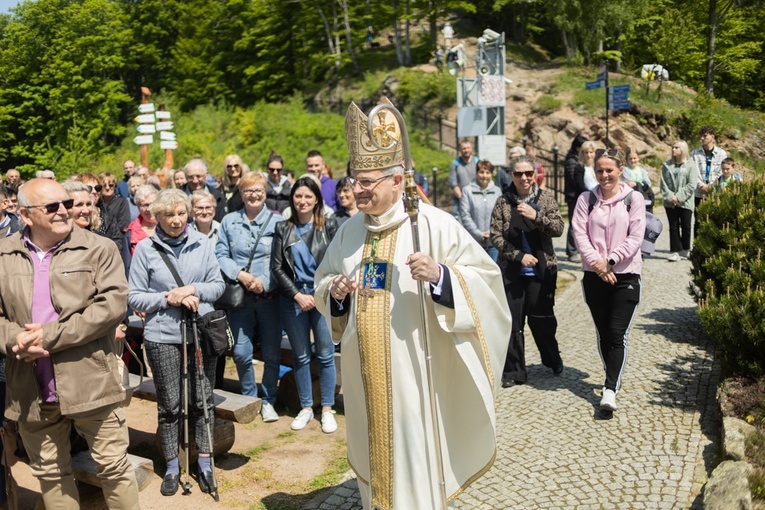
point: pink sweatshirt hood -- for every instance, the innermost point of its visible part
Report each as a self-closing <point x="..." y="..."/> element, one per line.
<point x="610" y="231"/>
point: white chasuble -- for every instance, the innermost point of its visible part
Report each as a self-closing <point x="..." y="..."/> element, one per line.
<point x="385" y="387"/>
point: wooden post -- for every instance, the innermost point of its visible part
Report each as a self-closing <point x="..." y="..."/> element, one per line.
<point x="145" y="95"/>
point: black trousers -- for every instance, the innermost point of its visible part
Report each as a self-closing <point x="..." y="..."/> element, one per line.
<point x="696" y="202"/>
<point x="571" y="248"/>
<point x="535" y="299"/>
<point x="613" y="308"/>
<point x="679" y="228"/>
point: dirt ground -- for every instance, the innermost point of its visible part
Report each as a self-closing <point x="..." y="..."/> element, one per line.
<point x="269" y="467"/>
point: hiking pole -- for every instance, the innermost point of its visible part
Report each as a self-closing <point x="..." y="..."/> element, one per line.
<point x="185" y="409"/>
<point x="205" y="414"/>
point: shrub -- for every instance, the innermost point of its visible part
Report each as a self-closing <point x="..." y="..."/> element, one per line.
<point x="729" y="275"/>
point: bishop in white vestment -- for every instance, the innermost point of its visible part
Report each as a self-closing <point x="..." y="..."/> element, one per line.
<point x="366" y="286"/>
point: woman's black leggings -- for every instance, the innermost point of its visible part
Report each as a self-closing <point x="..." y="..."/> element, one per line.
<point x="679" y="228"/>
<point x="613" y="308"/>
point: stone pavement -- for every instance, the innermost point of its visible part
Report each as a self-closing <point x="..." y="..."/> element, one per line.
<point x="555" y="451"/>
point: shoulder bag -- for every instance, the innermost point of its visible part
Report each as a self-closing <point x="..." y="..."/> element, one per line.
<point x="217" y="338"/>
<point x="233" y="295"/>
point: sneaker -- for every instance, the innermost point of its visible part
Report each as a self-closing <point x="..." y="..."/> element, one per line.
<point x="575" y="258"/>
<point x="558" y="370"/>
<point x="303" y="418"/>
<point x="608" y="402"/>
<point x="268" y="413"/>
<point x="685" y="254"/>
<point x="674" y="257"/>
<point x="328" y="423"/>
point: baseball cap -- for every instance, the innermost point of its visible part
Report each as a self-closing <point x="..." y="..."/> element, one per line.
<point x="653" y="227"/>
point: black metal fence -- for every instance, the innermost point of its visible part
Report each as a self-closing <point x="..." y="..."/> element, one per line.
<point x="445" y="132"/>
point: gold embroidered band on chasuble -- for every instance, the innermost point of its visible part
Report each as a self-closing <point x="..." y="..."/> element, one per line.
<point x="373" y="325"/>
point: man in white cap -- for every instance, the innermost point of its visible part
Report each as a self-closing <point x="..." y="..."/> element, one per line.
<point x="367" y="288"/>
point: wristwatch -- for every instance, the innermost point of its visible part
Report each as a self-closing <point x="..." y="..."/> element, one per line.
<point x="611" y="262"/>
<point x="123" y="327"/>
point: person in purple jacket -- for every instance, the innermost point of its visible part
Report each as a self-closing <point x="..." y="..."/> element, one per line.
<point x="608" y="232"/>
<point x="314" y="163"/>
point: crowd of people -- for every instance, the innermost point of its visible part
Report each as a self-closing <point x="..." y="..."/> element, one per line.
<point x="184" y="236"/>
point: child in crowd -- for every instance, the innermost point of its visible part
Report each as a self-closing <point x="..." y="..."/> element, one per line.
<point x="729" y="175"/>
<point x="637" y="178"/>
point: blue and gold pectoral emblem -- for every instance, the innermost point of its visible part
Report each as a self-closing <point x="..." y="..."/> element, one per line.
<point x="374" y="275"/>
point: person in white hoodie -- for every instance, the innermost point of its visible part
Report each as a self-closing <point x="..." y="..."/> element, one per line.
<point x="477" y="203"/>
<point x="608" y="232"/>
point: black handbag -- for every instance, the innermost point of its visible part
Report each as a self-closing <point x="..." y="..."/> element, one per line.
<point x="217" y="338"/>
<point x="233" y="294"/>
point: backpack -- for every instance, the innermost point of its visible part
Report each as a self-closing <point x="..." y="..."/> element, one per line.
<point x="592" y="200"/>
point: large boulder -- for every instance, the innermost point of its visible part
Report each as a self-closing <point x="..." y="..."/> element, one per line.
<point x="728" y="487"/>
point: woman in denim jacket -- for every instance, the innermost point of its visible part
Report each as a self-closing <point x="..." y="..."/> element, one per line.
<point x="236" y="238"/>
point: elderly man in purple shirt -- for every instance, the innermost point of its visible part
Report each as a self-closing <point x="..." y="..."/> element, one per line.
<point x="64" y="293"/>
<point x="314" y="164"/>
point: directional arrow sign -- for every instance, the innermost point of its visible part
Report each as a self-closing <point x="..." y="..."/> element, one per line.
<point x="602" y="76"/>
<point x="619" y="88"/>
<point x="147" y="118"/>
<point x="594" y="85"/>
<point x="620" y="95"/>
<point x="145" y="128"/>
<point x="143" y="140"/>
<point x="166" y="135"/>
<point x="167" y="144"/>
<point x="146" y="108"/>
<point x="621" y="105"/>
<point x="163" y="115"/>
<point x="164" y="126"/>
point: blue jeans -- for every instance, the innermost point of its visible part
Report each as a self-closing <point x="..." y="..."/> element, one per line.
<point x="299" y="325"/>
<point x="493" y="252"/>
<point x="263" y="314"/>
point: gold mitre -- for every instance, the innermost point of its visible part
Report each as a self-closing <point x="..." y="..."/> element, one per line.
<point x="364" y="155"/>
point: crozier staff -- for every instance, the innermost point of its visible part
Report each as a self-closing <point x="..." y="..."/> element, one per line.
<point x="367" y="288"/>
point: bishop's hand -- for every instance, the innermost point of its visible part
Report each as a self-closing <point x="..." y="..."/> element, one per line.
<point x="423" y="267"/>
<point x="342" y="285"/>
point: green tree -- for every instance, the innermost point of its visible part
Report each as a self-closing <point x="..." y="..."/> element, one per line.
<point x="61" y="69"/>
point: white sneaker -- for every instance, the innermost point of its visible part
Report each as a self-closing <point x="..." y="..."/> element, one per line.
<point x="575" y="258"/>
<point x="268" y="413"/>
<point x="303" y="418"/>
<point x="608" y="402"/>
<point x="674" y="257"/>
<point x="328" y="423"/>
<point x="685" y="254"/>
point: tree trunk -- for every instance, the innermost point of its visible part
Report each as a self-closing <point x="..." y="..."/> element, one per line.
<point x="433" y="25"/>
<point x="711" y="47"/>
<point x="408" y="55"/>
<point x="397" y="34"/>
<point x="336" y="32"/>
<point x="567" y="46"/>
<point x="348" y="38"/>
<point x="326" y="28"/>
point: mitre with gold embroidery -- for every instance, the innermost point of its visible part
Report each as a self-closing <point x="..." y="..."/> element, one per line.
<point x="364" y="155"/>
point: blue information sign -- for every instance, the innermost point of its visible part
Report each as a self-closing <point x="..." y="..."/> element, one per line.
<point x="621" y="95"/>
<point x="602" y="76"/>
<point x="619" y="88"/>
<point x="594" y="85"/>
<point x="621" y="105"/>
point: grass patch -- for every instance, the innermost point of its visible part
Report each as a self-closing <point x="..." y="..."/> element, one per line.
<point x="546" y="104"/>
<point x="337" y="467"/>
<point x="254" y="452"/>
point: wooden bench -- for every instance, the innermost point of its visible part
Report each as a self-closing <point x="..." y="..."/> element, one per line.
<point x="228" y="406"/>
<point x="85" y="469"/>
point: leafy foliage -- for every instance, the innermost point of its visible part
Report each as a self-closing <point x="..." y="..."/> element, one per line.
<point x="729" y="274"/>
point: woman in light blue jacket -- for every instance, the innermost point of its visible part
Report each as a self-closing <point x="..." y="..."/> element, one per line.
<point x="679" y="177"/>
<point x="154" y="292"/>
<point x="477" y="203"/>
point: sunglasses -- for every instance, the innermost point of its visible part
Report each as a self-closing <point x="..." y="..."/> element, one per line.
<point x="608" y="153"/>
<point x="229" y="167"/>
<point x="528" y="173"/>
<point x="53" y="207"/>
<point x="97" y="188"/>
<point x="274" y="169"/>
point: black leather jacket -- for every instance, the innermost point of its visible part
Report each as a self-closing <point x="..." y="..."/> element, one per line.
<point x="285" y="237"/>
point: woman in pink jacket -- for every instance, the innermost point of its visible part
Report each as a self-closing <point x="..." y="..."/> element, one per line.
<point x="609" y="230"/>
